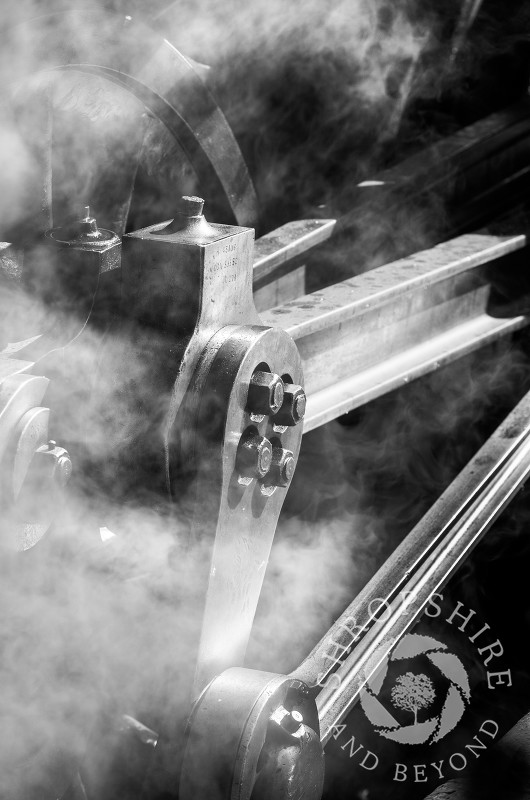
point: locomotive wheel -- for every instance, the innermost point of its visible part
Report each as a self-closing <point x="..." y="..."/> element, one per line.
<point x="103" y="107"/>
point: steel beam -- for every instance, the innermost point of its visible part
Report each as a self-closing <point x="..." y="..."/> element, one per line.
<point x="279" y="248"/>
<point x="372" y="333"/>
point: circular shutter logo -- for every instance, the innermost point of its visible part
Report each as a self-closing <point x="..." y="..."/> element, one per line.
<point x="414" y="692"/>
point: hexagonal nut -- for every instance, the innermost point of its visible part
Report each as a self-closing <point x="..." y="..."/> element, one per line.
<point x="254" y="456"/>
<point x="293" y="407"/>
<point x="55" y="461"/>
<point x="265" y="393"/>
<point x="282" y="467"/>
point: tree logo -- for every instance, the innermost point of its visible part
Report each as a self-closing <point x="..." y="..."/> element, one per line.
<point x="415" y="693"/>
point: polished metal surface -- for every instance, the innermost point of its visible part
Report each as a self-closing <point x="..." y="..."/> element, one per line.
<point x="237" y="747"/>
<point x="356" y="644"/>
<point x="368" y="335"/>
<point x="239" y="512"/>
<point x="282" y="246"/>
<point x="360" y="639"/>
<point x="355" y="297"/>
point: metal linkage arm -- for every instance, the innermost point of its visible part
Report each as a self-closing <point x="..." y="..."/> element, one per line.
<point x="362" y="637"/>
<point x="278" y="249"/>
<point x="232" y="402"/>
<point x="368" y="335"/>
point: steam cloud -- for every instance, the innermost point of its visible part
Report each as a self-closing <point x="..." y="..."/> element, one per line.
<point x="91" y="628"/>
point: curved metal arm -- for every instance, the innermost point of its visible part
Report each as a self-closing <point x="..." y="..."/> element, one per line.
<point x="423" y="562"/>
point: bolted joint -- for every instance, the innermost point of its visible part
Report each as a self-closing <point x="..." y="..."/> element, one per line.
<point x="254" y="455"/>
<point x="55" y="461"/>
<point x="265" y="393"/>
<point x="289" y="721"/>
<point x="293" y="407"/>
<point x="282" y="467"/>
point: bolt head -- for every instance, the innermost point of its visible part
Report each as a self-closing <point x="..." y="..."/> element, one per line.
<point x="254" y="456"/>
<point x="288" y="468"/>
<point x="277" y="396"/>
<point x="299" y="405"/>
<point x="265" y="393"/>
<point x="265" y="457"/>
<point x="293" y="407"/>
<point x="282" y="467"/>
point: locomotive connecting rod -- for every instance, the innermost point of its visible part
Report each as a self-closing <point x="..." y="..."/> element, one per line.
<point x="423" y="563"/>
<point x="249" y="705"/>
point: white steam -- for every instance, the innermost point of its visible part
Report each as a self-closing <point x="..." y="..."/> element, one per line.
<point x="90" y="628"/>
